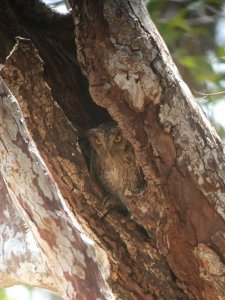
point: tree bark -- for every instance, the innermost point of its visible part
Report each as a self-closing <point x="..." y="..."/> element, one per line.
<point x="173" y="247"/>
<point x="19" y="251"/>
<point x="66" y="255"/>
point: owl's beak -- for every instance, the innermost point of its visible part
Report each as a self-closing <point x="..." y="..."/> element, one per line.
<point x="109" y="154"/>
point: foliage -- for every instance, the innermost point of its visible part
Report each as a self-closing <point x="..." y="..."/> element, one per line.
<point x="3" y="295"/>
<point x="190" y="30"/>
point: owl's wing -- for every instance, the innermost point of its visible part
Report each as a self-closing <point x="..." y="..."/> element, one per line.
<point x="95" y="168"/>
<point x="135" y="175"/>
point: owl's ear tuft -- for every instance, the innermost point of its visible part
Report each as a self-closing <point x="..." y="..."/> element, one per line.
<point x="89" y="133"/>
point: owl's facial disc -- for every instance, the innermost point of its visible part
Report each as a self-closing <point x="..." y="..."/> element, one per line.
<point x="107" y="139"/>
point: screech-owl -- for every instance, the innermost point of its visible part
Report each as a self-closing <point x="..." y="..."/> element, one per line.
<point x="113" y="164"/>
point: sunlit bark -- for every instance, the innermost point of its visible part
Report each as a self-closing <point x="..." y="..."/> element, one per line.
<point x="173" y="247"/>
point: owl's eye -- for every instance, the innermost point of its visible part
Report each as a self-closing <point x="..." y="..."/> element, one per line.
<point x="117" y="139"/>
<point x="98" y="141"/>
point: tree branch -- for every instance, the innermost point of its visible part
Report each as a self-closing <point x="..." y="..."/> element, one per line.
<point x="21" y="259"/>
<point x="131" y="74"/>
<point x="34" y="193"/>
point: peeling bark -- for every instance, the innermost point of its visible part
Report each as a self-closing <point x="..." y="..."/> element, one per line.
<point x="130" y="73"/>
<point x="69" y="171"/>
<point x="21" y="260"/>
<point x="173" y="247"/>
<point x="67" y="256"/>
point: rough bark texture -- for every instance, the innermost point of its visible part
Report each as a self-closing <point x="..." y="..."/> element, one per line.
<point x="68" y="258"/>
<point x="131" y="74"/>
<point x="21" y="259"/>
<point x="173" y="248"/>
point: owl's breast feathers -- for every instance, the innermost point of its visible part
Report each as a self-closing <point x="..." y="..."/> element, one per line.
<point x="119" y="174"/>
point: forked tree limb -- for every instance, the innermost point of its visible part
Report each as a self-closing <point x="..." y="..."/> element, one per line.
<point x="56" y="141"/>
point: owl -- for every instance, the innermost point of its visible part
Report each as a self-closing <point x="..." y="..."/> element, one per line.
<point x="113" y="164"/>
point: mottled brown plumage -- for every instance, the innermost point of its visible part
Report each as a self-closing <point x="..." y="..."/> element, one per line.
<point x="113" y="163"/>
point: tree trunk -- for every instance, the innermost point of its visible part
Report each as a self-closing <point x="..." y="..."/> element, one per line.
<point x="173" y="246"/>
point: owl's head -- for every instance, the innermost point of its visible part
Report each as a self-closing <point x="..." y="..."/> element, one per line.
<point x="107" y="138"/>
